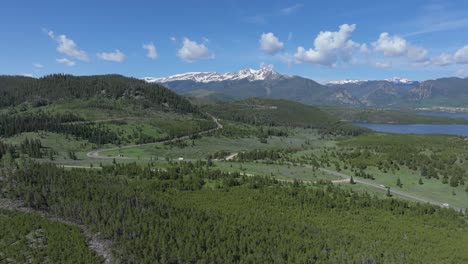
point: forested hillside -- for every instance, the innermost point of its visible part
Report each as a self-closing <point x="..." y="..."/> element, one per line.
<point x="370" y="115"/>
<point x="271" y="112"/>
<point x="15" y="90"/>
<point x="190" y="213"/>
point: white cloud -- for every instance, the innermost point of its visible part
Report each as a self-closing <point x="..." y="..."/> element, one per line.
<point x="65" y="61"/>
<point x="116" y="56"/>
<point x="27" y="75"/>
<point x="462" y="73"/>
<point x="291" y="9"/>
<point x="270" y="43"/>
<point x="416" y="54"/>
<point x="396" y="46"/>
<point x="383" y="65"/>
<point x="192" y="51"/>
<point x="173" y="39"/>
<point x="38" y="65"/>
<point x="330" y="47"/>
<point x="151" y="51"/>
<point x="461" y="55"/>
<point x="68" y="47"/>
<point x="391" y="45"/>
<point x="442" y="60"/>
<point x="364" y="49"/>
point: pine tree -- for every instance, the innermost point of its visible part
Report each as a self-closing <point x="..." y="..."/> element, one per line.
<point x="398" y="183"/>
<point x="389" y="194"/>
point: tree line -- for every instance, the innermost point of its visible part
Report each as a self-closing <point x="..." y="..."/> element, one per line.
<point x="190" y="212"/>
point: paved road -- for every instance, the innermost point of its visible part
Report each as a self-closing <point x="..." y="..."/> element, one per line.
<point x="377" y="186"/>
<point x="342" y="177"/>
<point x="96" y="153"/>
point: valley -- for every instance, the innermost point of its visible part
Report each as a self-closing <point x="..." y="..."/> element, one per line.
<point x="244" y="132"/>
<point x="124" y="161"/>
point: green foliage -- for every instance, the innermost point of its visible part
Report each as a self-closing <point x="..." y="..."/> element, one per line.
<point x="270" y="155"/>
<point x="17" y="90"/>
<point x="28" y="238"/>
<point x="270" y="112"/>
<point x="71" y="124"/>
<point x="33" y="148"/>
<point x="432" y="155"/>
<point x="170" y="215"/>
<point x="387" y="116"/>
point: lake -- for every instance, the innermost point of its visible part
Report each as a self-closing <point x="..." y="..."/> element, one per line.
<point x="422" y="128"/>
<point x="417" y="128"/>
<point x="446" y="114"/>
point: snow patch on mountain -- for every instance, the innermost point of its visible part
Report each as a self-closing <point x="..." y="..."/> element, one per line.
<point x="263" y="73"/>
<point x="395" y="80"/>
<point x="399" y="80"/>
<point x="347" y="81"/>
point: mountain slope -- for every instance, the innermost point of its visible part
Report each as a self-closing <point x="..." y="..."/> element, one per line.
<point x="445" y="91"/>
<point x="275" y="112"/>
<point x="255" y="83"/>
<point x="378" y="92"/>
<point x="15" y="90"/>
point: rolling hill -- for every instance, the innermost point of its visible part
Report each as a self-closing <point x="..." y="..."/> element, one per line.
<point x="15" y="90"/>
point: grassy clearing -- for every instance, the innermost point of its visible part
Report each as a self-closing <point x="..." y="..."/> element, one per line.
<point x="201" y="148"/>
<point x="431" y="189"/>
<point x="277" y="171"/>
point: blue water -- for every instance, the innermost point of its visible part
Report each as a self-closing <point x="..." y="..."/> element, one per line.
<point x="417" y="128"/>
<point x="422" y="128"/>
<point x="446" y="114"/>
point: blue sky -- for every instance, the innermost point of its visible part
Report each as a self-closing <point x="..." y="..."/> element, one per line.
<point x="322" y="40"/>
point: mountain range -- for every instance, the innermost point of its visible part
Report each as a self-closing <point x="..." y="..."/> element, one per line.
<point x="267" y="83"/>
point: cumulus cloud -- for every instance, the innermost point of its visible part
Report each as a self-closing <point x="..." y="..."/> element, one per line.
<point x="461" y="55"/>
<point x="68" y="47"/>
<point x="270" y="43"/>
<point x="38" y="65"/>
<point x="192" y="51"/>
<point x="416" y="54"/>
<point x="443" y="59"/>
<point x="330" y="47"/>
<point x="116" y="56"/>
<point x="65" y="61"/>
<point x="151" y="51"/>
<point x="390" y="45"/>
<point x="396" y="46"/>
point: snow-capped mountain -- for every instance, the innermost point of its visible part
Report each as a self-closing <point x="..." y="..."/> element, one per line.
<point x="207" y="77"/>
<point x="399" y="80"/>
<point x="346" y="82"/>
<point x="265" y="82"/>
<point x="395" y="80"/>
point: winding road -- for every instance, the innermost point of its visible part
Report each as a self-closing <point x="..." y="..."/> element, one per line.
<point x="381" y="187"/>
<point x="97" y="153"/>
<point x="342" y="177"/>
